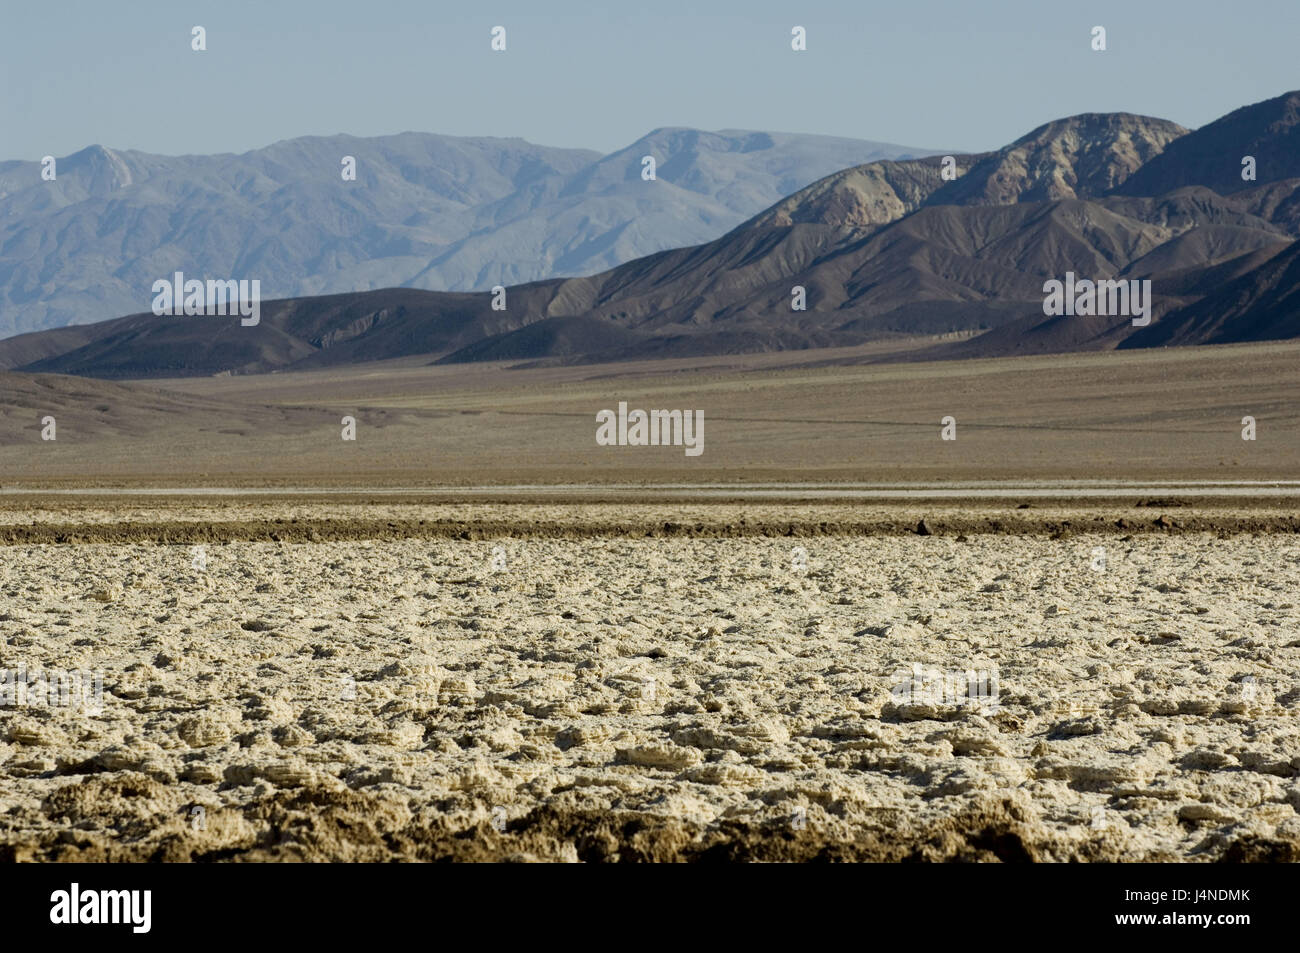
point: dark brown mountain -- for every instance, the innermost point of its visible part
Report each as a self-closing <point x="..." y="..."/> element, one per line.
<point x="293" y="332"/>
<point x="940" y="269"/>
<point x="1212" y="156"/>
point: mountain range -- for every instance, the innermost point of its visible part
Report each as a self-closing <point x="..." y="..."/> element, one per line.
<point x="891" y="248"/>
<point x="424" y="211"/>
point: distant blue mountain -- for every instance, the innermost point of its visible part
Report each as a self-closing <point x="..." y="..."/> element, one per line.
<point x="425" y="211"/>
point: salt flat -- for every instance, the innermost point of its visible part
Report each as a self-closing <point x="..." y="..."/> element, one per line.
<point x="542" y="696"/>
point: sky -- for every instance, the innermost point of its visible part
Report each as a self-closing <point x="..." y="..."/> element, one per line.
<point x="935" y="74"/>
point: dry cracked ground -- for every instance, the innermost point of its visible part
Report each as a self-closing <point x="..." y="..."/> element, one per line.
<point x="654" y="699"/>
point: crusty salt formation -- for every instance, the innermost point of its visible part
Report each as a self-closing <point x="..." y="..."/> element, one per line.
<point x="662" y="698"/>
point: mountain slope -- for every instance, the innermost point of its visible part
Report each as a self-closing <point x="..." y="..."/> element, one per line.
<point x="1261" y="305"/>
<point x="940" y="270"/>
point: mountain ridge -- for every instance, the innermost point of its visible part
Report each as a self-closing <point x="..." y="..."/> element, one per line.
<point x="891" y="248"/>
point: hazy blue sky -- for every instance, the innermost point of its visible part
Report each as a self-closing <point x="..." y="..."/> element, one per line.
<point x="957" y="74"/>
